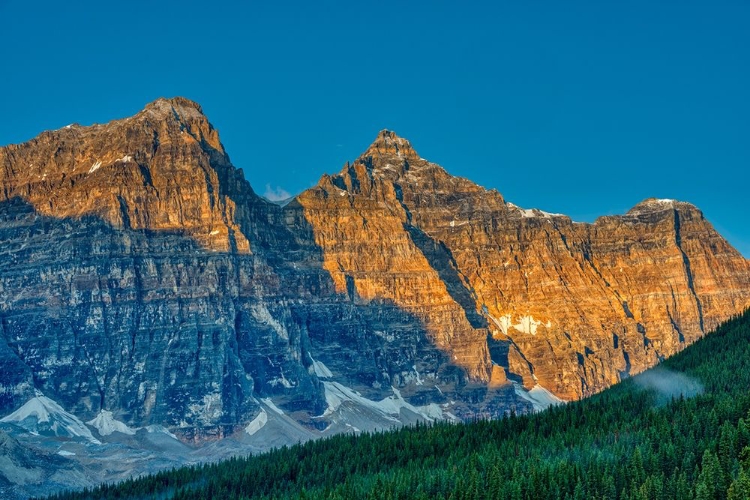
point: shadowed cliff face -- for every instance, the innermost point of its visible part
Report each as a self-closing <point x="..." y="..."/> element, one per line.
<point x="128" y="283"/>
<point x="145" y="323"/>
<point x="140" y="274"/>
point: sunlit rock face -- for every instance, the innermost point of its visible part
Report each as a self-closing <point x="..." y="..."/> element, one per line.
<point x="141" y="275"/>
<point x="572" y="307"/>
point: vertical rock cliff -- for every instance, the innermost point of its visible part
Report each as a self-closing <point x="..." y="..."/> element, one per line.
<point x="524" y="294"/>
<point x="136" y="277"/>
<point x="141" y="275"/>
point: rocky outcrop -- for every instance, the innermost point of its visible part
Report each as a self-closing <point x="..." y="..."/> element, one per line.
<point x="569" y="306"/>
<point x="129" y="282"/>
<point x="141" y="275"/>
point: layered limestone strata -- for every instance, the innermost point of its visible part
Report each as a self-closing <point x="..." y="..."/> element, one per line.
<point x="571" y="306"/>
<point x="141" y="275"/>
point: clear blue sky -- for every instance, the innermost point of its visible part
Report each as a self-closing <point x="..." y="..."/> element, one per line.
<point x="584" y="108"/>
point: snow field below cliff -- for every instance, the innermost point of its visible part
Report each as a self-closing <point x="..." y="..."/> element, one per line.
<point x="539" y="397"/>
<point x="257" y="423"/>
<point x="389" y="408"/>
<point x="41" y="415"/>
<point x="106" y="424"/>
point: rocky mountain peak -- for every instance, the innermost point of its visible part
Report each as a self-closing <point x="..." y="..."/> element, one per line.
<point x="655" y="205"/>
<point x="162" y="168"/>
<point x="143" y="284"/>
<point x="387" y="143"/>
<point x="177" y="107"/>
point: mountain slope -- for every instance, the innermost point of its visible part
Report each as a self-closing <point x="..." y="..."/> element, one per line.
<point x="41" y="415"/>
<point x="144" y="283"/>
<point x="569" y="306"/>
<point x="128" y="280"/>
<point x="679" y="431"/>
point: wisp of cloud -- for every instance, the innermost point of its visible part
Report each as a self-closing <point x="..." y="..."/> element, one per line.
<point x="668" y="384"/>
<point x="276" y="194"/>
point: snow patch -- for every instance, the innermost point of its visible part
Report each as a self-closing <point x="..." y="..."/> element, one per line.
<point x="336" y="394"/>
<point x="159" y="429"/>
<point x="36" y="407"/>
<point x="320" y="369"/>
<point x="257" y="423"/>
<point x="281" y="380"/>
<point x="65" y="453"/>
<point x="95" y="167"/>
<point x="419" y="379"/>
<point x="106" y="424"/>
<point x="503" y="322"/>
<point x="269" y="403"/>
<point x="41" y="415"/>
<point x="125" y="159"/>
<point x="527" y="324"/>
<point x="533" y="212"/>
<point x="261" y="314"/>
<point x="656" y="204"/>
<point x="539" y="397"/>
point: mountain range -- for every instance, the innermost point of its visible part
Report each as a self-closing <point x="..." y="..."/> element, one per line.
<point x="148" y="291"/>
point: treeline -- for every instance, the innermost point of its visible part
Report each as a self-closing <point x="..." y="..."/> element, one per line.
<point x="627" y="443"/>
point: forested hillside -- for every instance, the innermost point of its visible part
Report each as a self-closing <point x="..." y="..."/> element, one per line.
<point x="677" y="432"/>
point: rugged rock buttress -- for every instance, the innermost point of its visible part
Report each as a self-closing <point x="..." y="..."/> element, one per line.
<point x="141" y="275"/>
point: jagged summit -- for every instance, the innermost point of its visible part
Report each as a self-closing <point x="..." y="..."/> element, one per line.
<point x="388" y="143"/>
<point x="177" y="101"/>
<point x="186" y="114"/>
<point x="161" y="109"/>
<point x="651" y="205"/>
<point x="179" y="106"/>
<point x="130" y="172"/>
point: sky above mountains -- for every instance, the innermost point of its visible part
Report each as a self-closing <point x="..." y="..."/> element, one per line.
<point x="582" y="108"/>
